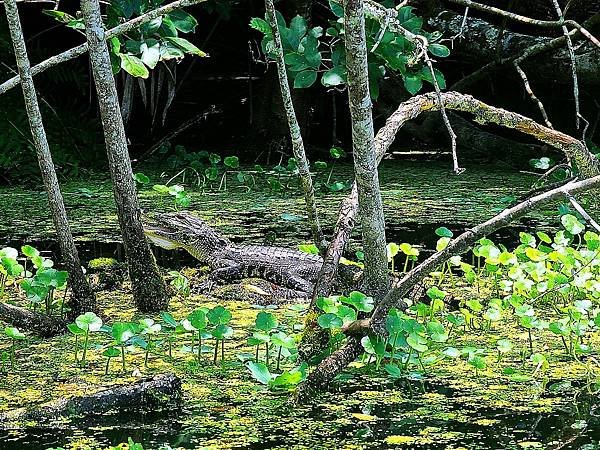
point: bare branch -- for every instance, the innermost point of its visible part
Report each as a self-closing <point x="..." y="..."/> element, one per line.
<point x="528" y="20"/>
<point x="529" y="91"/>
<point x="573" y="64"/>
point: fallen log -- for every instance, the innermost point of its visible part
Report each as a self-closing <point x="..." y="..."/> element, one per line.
<point x="26" y="320"/>
<point x="161" y="392"/>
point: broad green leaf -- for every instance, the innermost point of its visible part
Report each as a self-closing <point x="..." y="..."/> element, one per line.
<point x="186" y="46"/>
<point x="133" y="66"/>
<point x="305" y="79"/>
<point x="260" y="372"/>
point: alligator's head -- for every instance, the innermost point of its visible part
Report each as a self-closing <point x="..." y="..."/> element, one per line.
<point x="182" y="230"/>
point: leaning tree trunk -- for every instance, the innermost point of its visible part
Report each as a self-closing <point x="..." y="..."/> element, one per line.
<point x="363" y="146"/>
<point x="83" y="298"/>
<point x="149" y="290"/>
<point x="295" y="134"/>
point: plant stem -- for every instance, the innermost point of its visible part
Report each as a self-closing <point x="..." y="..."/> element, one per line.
<point x="222" y="351"/>
<point x="267" y="354"/>
<point x="199" y="345"/>
<point x="278" y="357"/>
<point x="123" y="356"/>
<point x="85" y="344"/>
<point x="106" y="369"/>
<point x="216" y="351"/>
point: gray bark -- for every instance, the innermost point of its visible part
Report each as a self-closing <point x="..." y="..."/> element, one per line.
<point x="295" y="134"/>
<point x="161" y="392"/>
<point x="363" y="146"/>
<point x="149" y="290"/>
<point x="481" y="42"/>
<point x="83" y="298"/>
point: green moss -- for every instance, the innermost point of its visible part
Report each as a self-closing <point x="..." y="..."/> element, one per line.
<point x="103" y="264"/>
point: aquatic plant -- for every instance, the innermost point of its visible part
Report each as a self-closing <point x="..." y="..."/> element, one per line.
<point x="122" y="332"/>
<point x="148" y="328"/>
<point x="180" y="283"/>
<point x="9" y="267"/>
<point x="219" y="317"/>
<point x="84" y="325"/>
<point x="14" y="335"/>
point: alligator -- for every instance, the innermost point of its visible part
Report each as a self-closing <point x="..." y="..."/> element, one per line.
<point x="291" y="269"/>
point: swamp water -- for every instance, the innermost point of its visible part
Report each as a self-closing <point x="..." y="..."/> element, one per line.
<point x="224" y="409"/>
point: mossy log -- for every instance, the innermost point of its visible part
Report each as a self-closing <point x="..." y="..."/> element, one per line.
<point x="30" y="321"/>
<point x="160" y="392"/>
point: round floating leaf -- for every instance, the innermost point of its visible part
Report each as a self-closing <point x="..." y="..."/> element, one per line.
<point x="222" y="332"/>
<point x="360" y="301"/>
<point x="281" y="339"/>
<point x="504" y="345"/>
<point x="417" y="342"/>
<point x="219" y="315"/>
<point x="89" y="322"/>
<point x="265" y="321"/>
<point x="198" y="319"/>
<point x="329" y="321"/>
<point x="122" y="332"/>
<point x="392" y="250"/>
<point x="111" y="352"/>
<point x="572" y="224"/>
<point x="233" y="162"/>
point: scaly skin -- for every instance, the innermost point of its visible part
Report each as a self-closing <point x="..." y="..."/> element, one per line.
<point x="289" y="268"/>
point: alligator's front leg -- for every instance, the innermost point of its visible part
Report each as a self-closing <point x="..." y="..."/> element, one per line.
<point x="292" y="281"/>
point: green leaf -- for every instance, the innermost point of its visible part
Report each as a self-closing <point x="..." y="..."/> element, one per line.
<point x="122" y="332"/>
<point x="150" y="54"/>
<point x="261" y="25"/>
<point x="413" y="83"/>
<point x="393" y="370"/>
<point x="417" y="342"/>
<point x="89" y="322"/>
<point x="359" y="301"/>
<point x="311" y="249"/>
<point x="265" y="321"/>
<point x="478" y="362"/>
<point x="29" y="251"/>
<point x="198" y="319"/>
<point x="329" y="321"/>
<point x="260" y="372"/>
<point x="572" y="224"/>
<point x="111" y="352"/>
<point x="439" y="50"/>
<point x="14" y="333"/>
<point x="219" y="315"/>
<point x="444" y="232"/>
<point x="334" y="77"/>
<point x="222" y="332"/>
<point x="233" y="162"/>
<point x="133" y="66"/>
<point x="305" y="79"/>
<point x="183" y="21"/>
<point x="186" y="46"/>
<point x="141" y="178"/>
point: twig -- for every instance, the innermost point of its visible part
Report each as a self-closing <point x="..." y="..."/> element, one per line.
<point x="528" y="20"/>
<point x="529" y="90"/>
<point x="573" y="64"/>
<point x="583" y="212"/>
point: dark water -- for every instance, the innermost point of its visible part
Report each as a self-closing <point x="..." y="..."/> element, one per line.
<point x="572" y="425"/>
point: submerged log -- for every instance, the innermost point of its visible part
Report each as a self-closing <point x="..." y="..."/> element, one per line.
<point x="27" y="320"/>
<point x="160" y="392"/>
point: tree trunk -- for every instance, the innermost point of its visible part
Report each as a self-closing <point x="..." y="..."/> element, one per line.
<point x="149" y="290"/>
<point x="295" y="134"/>
<point x="363" y="146"/>
<point x="83" y="298"/>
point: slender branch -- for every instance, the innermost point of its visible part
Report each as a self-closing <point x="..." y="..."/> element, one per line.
<point x="295" y="133"/>
<point x="531" y="94"/>
<point x="583" y="212"/>
<point x="573" y="64"/>
<point x="116" y="31"/>
<point x="528" y="20"/>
